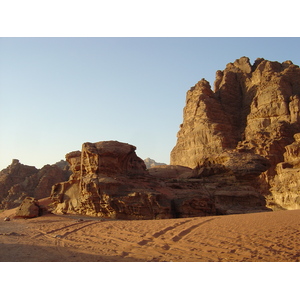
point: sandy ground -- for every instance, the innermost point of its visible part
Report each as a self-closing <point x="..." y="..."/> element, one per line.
<point x="259" y="237"/>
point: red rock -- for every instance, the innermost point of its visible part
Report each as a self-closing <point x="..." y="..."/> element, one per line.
<point x="253" y="109"/>
<point x="109" y="180"/>
<point x="19" y="181"/>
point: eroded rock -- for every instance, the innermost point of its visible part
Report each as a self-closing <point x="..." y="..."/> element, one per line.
<point x="253" y="109"/>
<point x="286" y="184"/>
<point x="109" y="180"/>
<point x="19" y="181"/>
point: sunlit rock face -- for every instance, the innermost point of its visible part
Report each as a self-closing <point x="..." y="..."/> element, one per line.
<point x="286" y="184"/>
<point x="253" y="108"/>
<point x="109" y="180"/>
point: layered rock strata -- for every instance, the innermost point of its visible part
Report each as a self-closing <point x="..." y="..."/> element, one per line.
<point x="253" y="108"/>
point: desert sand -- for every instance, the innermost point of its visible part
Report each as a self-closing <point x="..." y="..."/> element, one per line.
<point x="257" y="237"/>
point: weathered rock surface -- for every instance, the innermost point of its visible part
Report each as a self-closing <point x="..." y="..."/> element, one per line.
<point x="286" y="185"/>
<point x="110" y="181"/>
<point x="29" y="208"/>
<point x="253" y="109"/>
<point x="19" y="181"/>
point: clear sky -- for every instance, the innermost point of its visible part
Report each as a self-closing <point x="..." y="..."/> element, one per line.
<point x="57" y="93"/>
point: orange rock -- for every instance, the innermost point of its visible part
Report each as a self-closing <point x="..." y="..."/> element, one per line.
<point x="254" y="108"/>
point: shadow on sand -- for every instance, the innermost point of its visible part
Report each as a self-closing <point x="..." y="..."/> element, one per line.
<point x="31" y="253"/>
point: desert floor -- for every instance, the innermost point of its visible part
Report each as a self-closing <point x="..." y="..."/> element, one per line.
<point x="259" y="237"/>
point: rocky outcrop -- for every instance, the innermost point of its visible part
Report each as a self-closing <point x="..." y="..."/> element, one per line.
<point x="150" y="163"/>
<point x="253" y="109"/>
<point x="19" y="181"/>
<point x="108" y="180"/>
<point x="286" y="185"/>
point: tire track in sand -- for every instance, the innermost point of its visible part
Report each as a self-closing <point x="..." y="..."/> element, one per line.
<point x="177" y="237"/>
<point x="162" y="232"/>
<point x="47" y="233"/>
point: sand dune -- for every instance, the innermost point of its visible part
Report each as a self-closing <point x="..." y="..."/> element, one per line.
<point x="269" y="237"/>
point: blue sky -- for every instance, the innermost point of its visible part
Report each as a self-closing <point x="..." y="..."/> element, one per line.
<point x="57" y="93"/>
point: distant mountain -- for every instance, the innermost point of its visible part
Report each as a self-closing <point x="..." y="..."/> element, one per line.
<point x="150" y="163"/>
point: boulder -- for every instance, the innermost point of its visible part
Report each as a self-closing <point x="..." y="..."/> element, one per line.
<point x="29" y="208"/>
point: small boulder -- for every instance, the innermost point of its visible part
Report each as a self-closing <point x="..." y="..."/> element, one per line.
<point x="29" y="208"/>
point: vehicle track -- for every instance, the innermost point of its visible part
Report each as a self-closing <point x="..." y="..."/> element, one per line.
<point x="67" y="227"/>
<point x="175" y="236"/>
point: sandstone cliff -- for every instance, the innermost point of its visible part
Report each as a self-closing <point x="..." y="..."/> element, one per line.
<point x="19" y="181"/>
<point x="286" y="185"/>
<point x="253" y="108"/>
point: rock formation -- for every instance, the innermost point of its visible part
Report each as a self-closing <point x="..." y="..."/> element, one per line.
<point x="150" y="163"/>
<point x="19" y="181"/>
<point x="253" y="109"/>
<point x="29" y="208"/>
<point x="108" y="180"/>
<point x="286" y="185"/>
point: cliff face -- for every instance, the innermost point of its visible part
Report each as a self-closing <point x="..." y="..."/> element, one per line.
<point x="286" y="184"/>
<point x="253" y="108"/>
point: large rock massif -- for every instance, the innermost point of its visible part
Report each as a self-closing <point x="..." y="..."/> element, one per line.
<point x="19" y="181"/>
<point x="254" y="109"/>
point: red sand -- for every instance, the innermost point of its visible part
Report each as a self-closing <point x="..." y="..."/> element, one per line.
<point x="269" y="237"/>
